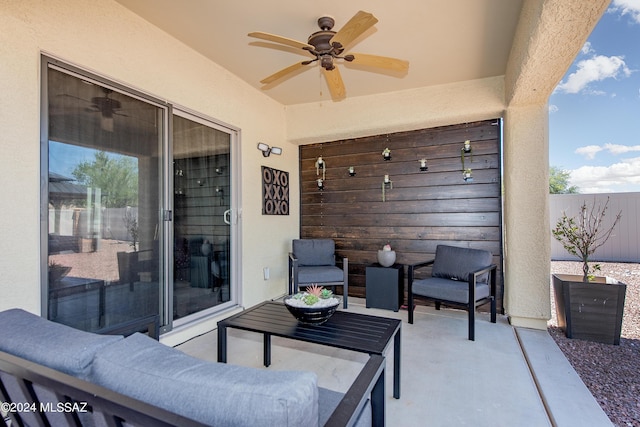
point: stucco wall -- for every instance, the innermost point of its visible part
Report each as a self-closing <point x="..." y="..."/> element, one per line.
<point x="106" y="38"/>
<point x="397" y="111"/>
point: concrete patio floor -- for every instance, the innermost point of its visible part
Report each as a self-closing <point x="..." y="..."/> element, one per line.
<point x="507" y="377"/>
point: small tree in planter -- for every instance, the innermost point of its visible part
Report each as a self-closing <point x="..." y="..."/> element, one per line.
<point x="582" y="235"/>
<point x="588" y="307"/>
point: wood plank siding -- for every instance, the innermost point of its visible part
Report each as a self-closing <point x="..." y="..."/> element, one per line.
<point x="422" y="210"/>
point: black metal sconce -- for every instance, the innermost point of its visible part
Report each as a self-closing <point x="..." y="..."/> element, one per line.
<point x="423" y="165"/>
<point x="320" y="182"/>
<point x="352" y="171"/>
<point x="386" y="154"/>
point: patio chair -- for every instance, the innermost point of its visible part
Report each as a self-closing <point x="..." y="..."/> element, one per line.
<point x="460" y="277"/>
<point x="313" y="261"/>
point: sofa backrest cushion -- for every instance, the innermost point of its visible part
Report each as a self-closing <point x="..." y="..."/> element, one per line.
<point x="314" y="251"/>
<point x="51" y="344"/>
<point x="456" y="263"/>
<point x="213" y="393"/>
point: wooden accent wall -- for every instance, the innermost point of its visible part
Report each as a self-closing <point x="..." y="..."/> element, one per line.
<point x="422" y="210"/>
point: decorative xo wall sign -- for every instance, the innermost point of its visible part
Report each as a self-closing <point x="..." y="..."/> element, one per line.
<point x="275" y="191"/>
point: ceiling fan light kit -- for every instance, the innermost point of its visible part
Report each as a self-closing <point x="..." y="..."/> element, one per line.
<point x="327" y="46"/>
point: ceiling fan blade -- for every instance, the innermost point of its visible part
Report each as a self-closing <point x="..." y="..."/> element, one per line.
<point x="279" y="39"/>
<point x="276" y="76"/>
<point x="335" y="83"/>
<point x="357" y="25"/>
<point x="380" y="62"/>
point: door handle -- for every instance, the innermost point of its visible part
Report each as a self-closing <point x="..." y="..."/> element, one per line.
<point x="226" y="217"/>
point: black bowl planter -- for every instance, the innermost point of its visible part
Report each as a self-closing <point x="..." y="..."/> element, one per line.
<point x="312" y="315"/>
<point x="589" y="311"/>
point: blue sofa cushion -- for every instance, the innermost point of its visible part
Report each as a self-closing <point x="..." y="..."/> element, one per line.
<point x="449" y="290"/>
<point x="51" y="344"/>
<point x="320" y="274"/>
<point x="314" y="251"/>
<point x="213" y="393"/>
<point x="456" y="263"/>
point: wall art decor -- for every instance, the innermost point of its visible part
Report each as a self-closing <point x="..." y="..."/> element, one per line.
<point x="275" y="191"/>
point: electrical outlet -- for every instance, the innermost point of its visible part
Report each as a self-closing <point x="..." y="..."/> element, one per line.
<point x="265" y="273"/>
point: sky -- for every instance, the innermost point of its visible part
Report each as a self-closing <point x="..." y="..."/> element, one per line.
<point x="594" y="112"/>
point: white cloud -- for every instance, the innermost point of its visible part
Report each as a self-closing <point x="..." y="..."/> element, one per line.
<point x="586" y="48"/>
<point x="553" y="108"/>
<point x="595" y="69"/>
<point x="589" y="151"/>
<point x="621" y="149"/>
<point x="627" y="7"/>
<point x="622" y="176"/>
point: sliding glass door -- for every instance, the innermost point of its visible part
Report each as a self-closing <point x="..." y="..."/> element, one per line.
<point x="201" y="220"/>
<point x="136" y="207"/>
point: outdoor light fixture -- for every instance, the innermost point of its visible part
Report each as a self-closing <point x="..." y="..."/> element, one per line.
<point x="352" y="171"/>
<point x="266" y="150"/>
<point x="423" y="165"/>
<point x="386" y="154"/>
<point x="320" y="184"/>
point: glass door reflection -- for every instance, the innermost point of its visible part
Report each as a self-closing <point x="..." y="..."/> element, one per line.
<point x="201" y="187"/>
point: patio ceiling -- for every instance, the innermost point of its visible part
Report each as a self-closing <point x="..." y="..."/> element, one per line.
<point x="444" y="41"/>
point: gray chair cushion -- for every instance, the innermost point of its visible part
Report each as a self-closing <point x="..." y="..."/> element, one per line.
<point x="328" y="401"/>
<point x="448" y="290"/>
<point x="213" y="393"/>
<point x="456" y="263"/>
<point x="320" y="274"/>
<point x="51" y="344"/>
<point x="314" y="251"/>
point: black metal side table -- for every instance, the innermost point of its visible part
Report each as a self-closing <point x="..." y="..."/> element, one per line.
<point x="385" y="286"/>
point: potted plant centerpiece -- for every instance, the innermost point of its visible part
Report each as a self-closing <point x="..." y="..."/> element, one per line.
<point x="313" y="306"/>
<point x="588" y="307"/>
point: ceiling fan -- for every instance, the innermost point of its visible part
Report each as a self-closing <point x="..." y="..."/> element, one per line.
<point x="326" y="46"/>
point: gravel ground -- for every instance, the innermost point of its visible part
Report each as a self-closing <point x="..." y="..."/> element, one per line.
<point x="612" y="373"/>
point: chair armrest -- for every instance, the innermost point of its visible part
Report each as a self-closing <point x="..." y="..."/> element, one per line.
<point x="413" y="267"/>
<point x="293" y="272"/>
<point x="345" y="262"/>
<point x="368" y="384"/>
<point x="473" y="277"/>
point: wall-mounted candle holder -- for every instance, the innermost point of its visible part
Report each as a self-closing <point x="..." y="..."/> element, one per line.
<point x="467" y="175"/>
<point x="423" y="165"/>
<point x="466" y="149"/>
<point x="321" y="164"/>
<point x="220" y="193"/>
<point x="386" y="182"/>
<point x="467" y="146"/>
<point x="386" y="154"/>
<point x="320" y="183"/>
<point x="352" y="171"/>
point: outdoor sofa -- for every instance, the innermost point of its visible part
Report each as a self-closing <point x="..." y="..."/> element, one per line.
<point x="51" y="374"/>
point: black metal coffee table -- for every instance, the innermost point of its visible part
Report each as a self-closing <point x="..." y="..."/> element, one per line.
<point x="349" y="331"/>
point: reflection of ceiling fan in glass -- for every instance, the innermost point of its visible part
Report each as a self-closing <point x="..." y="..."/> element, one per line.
<point x="326" y="46"/>
<point x="105" y="105"/>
